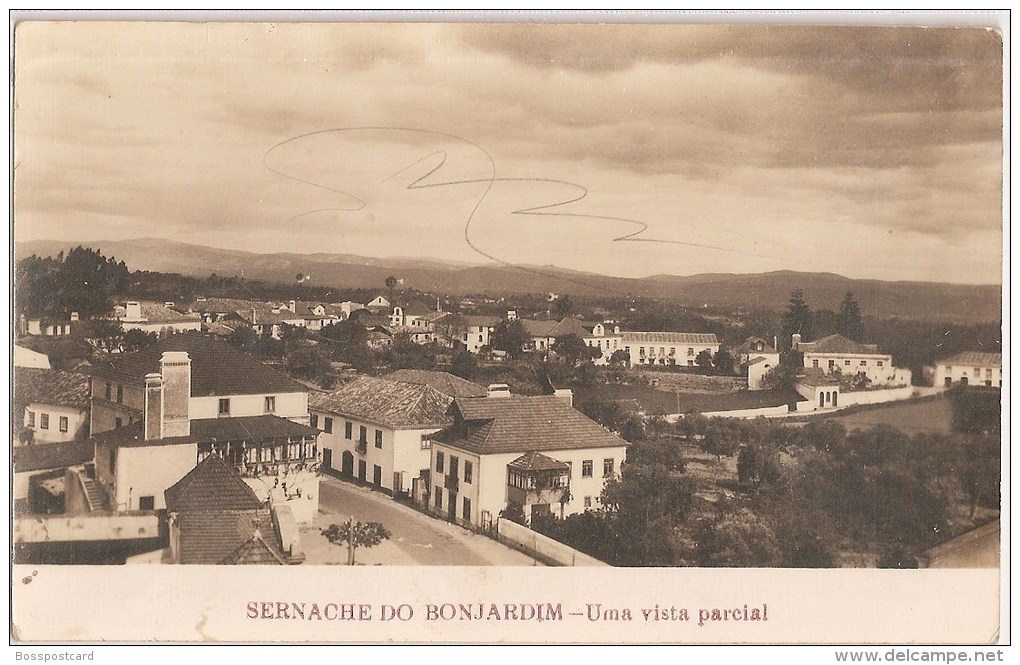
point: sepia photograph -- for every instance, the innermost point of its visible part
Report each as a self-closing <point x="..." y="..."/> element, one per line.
<point x="653" y="328"/>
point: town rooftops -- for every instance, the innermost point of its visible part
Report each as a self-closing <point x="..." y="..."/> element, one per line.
<point x="838" y="344"/>
<point x="450" y="385"/>
<point x="214" y="537"/>
<point x="153" y="312"/>
<point x="217" y="368"/>
<point x="50" y="386"/>
<point x="415" y="308"/>
<point x="205" y="430"/>
<point x="669" y="338"/>
<point x="394" y="404"/>
<point x="816" y="378"/>
<point x="212" y="485"/>
<point x="44" y="456"/>
<point x="523" y="424"/>
<point x="974" y="359"/>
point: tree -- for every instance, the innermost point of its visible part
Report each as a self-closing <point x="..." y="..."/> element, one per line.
<point x="720" y="439"/>
<point x="738" y="539"/>
<point x="620" y="357"/>
<point x="464" y="365"/>
<point x="356" y="534"/>
<point x="796" y="319"/>
<point x="850" y="323"/>
<point x="391" y="283"/>
<point x="723" y="362"/>
<point x="563" y="306"/>
<point x="758" y="464"/>
<point x="136" y="340"/>
<point x="704" y="359"/>
<point x="572" y="348"/>
<point x="510" y="337"/>
<point x="784" y="375"/>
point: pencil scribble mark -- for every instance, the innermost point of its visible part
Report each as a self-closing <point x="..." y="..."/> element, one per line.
<point x="425" y="181"/>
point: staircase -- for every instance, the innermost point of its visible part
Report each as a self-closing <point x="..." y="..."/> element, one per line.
<point x="91" y="492"/>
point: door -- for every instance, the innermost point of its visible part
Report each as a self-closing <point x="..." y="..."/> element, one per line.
<point x="451" y="508"/>
<point x="949" y="381"/>
<point x="362" y="467"/>
<point x="347" y="463"/>
<point x="377" y="475"/>
<point x="327" y="458"/>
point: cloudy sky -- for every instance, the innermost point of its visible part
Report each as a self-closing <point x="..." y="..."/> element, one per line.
<point x="627" y="150"/>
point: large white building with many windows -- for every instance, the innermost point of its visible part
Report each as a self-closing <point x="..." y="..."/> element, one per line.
<point x="974" y="368"/>
<point x="838" y="355"/>
<point x="667" y="348"/>
<point x="538" y="455"/>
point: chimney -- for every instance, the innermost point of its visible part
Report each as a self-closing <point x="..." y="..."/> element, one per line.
<point x="253" y="316"/>
<point x="565" y="394"/>
<point x="499" y="390"/>
<point x="175" y="366"/>
<point x="74" y="316"/>
<point x="293" y="306"/>
<point x="153" y="414"/>
<point x="134" y="311"/>
<point x="511" y="315"/>
<point x="796" y="341"/>
<point x="775" y="342"/>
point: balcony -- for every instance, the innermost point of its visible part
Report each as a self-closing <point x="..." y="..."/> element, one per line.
<point x="534" y="478"/>
<point x="452" y="483"/>
<point x="361" y="447"/>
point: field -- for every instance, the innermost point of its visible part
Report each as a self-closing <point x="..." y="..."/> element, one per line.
<point x="912" y="417"/>
<point x="660" y="402"/>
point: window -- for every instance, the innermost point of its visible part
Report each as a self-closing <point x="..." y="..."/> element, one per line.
<point x="846" y="363"/>
<point x="479" y="341"/>
<point x="977" y="371"/>
<point x="120" y="394"/>
<point x="31" y="418"/>
<point x="587" y="502"/>
<point x="662" y="350"/>
<point x="348" y="430"/>
<point x="607" y="467"/>
<point x="832" y="363"/>
<point x="270" y="404"/>
<point x="469" y="471"/>
<point x="44" y="420"/>
<point x="881" y="363"/>
<point x="439" y="497"/>
<point x="313" y="420"/>
<point x="378" y="438"/>
<point x="426" y="442"/>
<point x="363" y="434"/>
<point x="109" y="391"/>
<point x="586" y="468"/>
<point x="224" y="409"/>
<point x="63" y="423"/>
<point x="641" y="350"/>
<point x="327" y="425"/>
<point x="113" y="460"/>
<point x="864" y="363"/>
<point x="814" y="363"/>
<point x="454" y="467"/>
<point x="146" y="503"/>
<point x="467" y="508"/>
<point x="440" y="459"/>
<point x="117" y="422"/>
<point x="690" y="352"/>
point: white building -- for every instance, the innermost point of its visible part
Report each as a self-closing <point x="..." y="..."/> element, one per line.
<point x="973" y="368"/>
<point x="667" y="348"/>
<point x="25" y="357"/>
<point x="52" y="405"/>
<point x="156" y="318"/>
<point x="536" y="453"/>
<point x="603" y="336"/>
<point x="757" y="357"/>
<point x="378" y="430"/>
<point x="836" y="354"/>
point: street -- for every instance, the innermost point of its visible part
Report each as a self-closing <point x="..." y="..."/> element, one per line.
<point x="416" y="539"/>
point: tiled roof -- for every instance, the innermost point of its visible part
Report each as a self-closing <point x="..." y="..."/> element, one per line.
<point x="50" y="386"/>
<point x="153" y="312"/>
<point x="837" y="344"/>
<point x="974" y="359"/>
<point x="481" y="320"/>
<point x="305" y="308"/>
<point x="533" y="461"/>
<point x="540" y="328"/>
<point x="669" y="338"/>
<point x="432" y="317"/>
<point x="446" y="383"/>
<point x="749" y="346"/>
<point x="217" y="368"/>
<point x="213" y="537"/>
<point x="815" y="377"/>
<point x="204" y="430"/>
<point x="525" y="424"/>
<point x="254" y="552"/>
<point x="41" y="456"/>
<point x="416" y="308"/>
<point x="394" y="404"/>
<point x="212" y="485"/>
<point x="225" y="305"/>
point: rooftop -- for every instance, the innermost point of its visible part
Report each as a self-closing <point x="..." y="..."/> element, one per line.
<point x="217" y="368"/>
<point x="524" y="424"/>
<point x="974" y="359"/>
<point x="755" y="345"/>
<point x="838" y="344"/>
<point x="42" y="456"/>
<point x="533" y="461"/>
<point x="450" y="385"/>
<point x="205" y="430"/>
<point x="212" y="537"/>
<point x="153" y="312"/>
<point x="50" y="386"/>
<point x="212" y="485"/>
<point x="669" y="337"/>
<point x="394" y="404"/>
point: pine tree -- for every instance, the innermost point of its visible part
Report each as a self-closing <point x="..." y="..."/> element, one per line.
<point x="797" y="318"/>
<point x="850" y="323"/>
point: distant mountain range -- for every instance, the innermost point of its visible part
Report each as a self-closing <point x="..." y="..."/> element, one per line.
<point x="928" y="300"/>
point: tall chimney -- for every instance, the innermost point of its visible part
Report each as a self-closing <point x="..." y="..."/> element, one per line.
<point x="74" y="316"/>
<point x="153" y="413"/>
<point x="796" y="341"/>
<point x="565" y="394"/>
<point x="175" y="366"/>
<point x="134" y="311"/>
<point x="293" y="306"/>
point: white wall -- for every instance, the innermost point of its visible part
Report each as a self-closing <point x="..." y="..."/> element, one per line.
<point x="976" y="376"/>
<point x="162" y="328"/>
<point x="682" y="354"/>
<point x="150" y="470"/>
<point x="885" y="374"/>
<point x="535" y="543"/>
<point x="875" y="396"/>
<point x="28" y="358"/>
<point x="293" y="406"/>
<point x="766" y="411"/>
<point x="75" y="422"/>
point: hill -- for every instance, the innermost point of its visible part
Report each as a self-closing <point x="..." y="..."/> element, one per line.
<point x="769" y="291"/>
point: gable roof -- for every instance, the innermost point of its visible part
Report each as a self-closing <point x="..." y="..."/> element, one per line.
<point x="204" y="430"/>
<point x="394" y="404"/>
<point x="669" y="337"/>
<point x="213" y="537"/>
<point x="533" y="461"/>
<point x="255" y="551"/>
<point x="153" y="312"/>
<point x="524" y="424"/>
<point x="974" y="359"/>
<point x="217" y="368"/>
<point x="450" y="385"/>
<point x="749" y="346"/>
<point x="540" y="328"/>
<point x="416" y="308"/>
<point x="212" y="485"/>
<point x="50" y="386"/>
<point x="41" y="456"/>
<point x="838" y="344"/>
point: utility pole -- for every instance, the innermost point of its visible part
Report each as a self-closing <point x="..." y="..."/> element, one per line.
<point x="350" y="541"/>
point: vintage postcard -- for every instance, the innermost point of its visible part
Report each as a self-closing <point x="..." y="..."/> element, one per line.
<point x="665" y="329"/>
